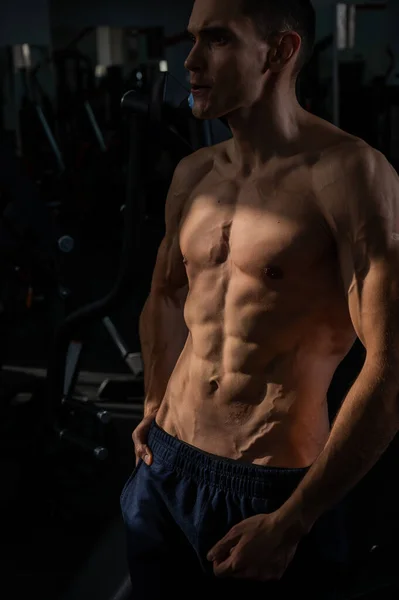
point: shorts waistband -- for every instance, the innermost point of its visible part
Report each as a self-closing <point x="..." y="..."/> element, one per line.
<point x="223" y="473"/>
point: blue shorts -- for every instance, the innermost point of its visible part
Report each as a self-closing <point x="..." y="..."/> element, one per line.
<point x="178" y="508"/>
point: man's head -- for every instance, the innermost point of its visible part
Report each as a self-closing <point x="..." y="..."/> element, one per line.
<point x="240" y="44"/>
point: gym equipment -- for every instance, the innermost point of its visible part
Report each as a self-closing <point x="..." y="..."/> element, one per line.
<point x="36" y="140"/>
<point x="366" y="110"/>
<point x="28" y="273"/>
<point x="344" y="37"/>
<point x="82" y="151"/>
<point x="61" y="381"/>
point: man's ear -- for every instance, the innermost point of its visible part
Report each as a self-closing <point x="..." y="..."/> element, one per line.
<point x="284" y="47"/>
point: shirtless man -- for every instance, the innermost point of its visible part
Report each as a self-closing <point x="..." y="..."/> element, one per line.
<point x="281" y="247"/>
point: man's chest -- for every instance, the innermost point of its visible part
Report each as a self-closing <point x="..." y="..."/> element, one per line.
<point x="270" y="223"/>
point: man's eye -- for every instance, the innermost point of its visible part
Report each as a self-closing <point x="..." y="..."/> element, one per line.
<point x="215" y="40"/>
<point x="219" y="40"/>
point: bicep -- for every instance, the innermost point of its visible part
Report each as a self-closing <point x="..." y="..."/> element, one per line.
<point x="169" y="274"/>
<point x="370" y="257"/>
<point x="373" y="300"/>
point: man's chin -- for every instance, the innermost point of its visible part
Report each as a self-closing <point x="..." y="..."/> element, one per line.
<point x="202" y="113"/>
<point x="206" y="113"/>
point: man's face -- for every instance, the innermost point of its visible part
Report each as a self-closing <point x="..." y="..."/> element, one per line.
<point x="227" y="57"/>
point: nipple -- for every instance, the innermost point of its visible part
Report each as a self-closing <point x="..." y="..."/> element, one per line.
<point x="274" y="272"/>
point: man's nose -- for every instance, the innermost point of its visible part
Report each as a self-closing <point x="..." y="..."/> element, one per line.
<point x="195" y="60"/>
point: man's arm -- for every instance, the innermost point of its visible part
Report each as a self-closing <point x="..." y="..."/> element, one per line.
<point x="163" y="331"/>
<point x="363" y="207"/>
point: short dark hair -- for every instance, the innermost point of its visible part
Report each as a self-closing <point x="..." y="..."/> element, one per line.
<point x="273" y="16"/>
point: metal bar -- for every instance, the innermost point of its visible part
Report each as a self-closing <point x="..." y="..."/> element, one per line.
<point x="115" y="335"/>
<point x="102" y="415"/>
<point x="96" y="127"/>
<point x="371" y="6"/>
<point x="50" y="138"/>
<point x="335" y="74"/>
<point x="71" y="367"/>
<point x="92" y="448"/>
<point x="135" y="363"/>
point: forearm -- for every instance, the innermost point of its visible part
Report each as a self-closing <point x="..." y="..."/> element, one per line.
<point x="363" y="429"/>
<point x="163" y="334"/>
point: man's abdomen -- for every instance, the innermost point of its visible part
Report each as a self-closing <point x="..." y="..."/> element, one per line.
<point x="271" y="416"/>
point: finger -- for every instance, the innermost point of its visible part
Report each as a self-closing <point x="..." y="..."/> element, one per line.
<point x="222" y="549"/>
<point x="224" y="568"/>
<point x="140" y="434"/>
<point x="141" y="448"/>
<point x="144" y="453"/>
<point x="231" y="567"/>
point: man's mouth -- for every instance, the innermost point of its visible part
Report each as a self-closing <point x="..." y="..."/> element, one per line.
<point x="199" y="89"/>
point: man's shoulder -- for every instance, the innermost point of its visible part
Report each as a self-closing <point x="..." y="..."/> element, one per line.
<point x="344" y="158"/>
<point x="352" y="180"/>
<point x="188" y="174"/>
<point x="195" y="166"/>
<point x="204" y="157"/>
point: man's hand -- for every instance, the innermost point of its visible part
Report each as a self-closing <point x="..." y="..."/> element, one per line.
<point x="259" y="548"/>
<point x="140" y="436"/>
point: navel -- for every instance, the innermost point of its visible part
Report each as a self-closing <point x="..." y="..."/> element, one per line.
<point x="213" y="386"/>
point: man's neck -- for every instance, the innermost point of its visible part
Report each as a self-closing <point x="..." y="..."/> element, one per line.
<point x="270" y="128"/>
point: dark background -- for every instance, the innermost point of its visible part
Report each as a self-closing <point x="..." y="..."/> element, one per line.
<point x="59" y="507"/>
